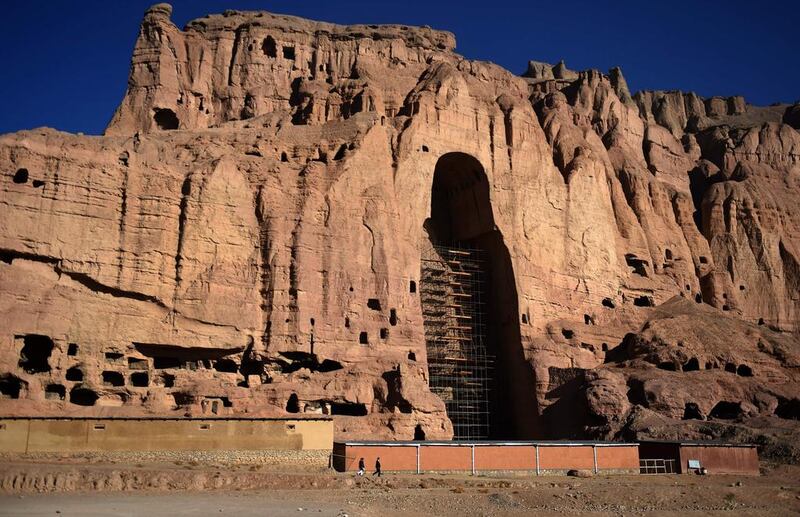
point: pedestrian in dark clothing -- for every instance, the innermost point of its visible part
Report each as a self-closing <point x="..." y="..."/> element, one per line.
<point x="362" y="467"/>
<point x="377" y="467"/>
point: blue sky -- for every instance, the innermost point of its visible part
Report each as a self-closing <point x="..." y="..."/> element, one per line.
<point x="65" y="62"/>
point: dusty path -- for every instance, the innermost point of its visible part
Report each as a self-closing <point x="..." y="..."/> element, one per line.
<point x="243" y="492"/>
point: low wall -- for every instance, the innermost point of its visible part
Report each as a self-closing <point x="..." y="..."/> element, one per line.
<point x="541" y="457"/>
<point x="72" y="435"/>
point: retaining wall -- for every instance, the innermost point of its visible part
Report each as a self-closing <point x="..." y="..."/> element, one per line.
<point x="71" y="435"/>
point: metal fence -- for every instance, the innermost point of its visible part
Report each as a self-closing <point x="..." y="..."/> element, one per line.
<point x="657" y="466"/>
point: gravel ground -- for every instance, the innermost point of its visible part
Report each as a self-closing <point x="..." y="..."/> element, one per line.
<point x="45" y="487"/>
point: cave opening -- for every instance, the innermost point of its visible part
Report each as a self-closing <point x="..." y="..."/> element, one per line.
<point x="35" y="354"/>
<point x="470" y="310"/>
<point x="166" y="119"/>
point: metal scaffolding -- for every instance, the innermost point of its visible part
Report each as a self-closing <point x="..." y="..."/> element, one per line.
<point x="459" y="365"/>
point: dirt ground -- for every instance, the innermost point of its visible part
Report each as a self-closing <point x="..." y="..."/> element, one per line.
<point x="88" y="489"/>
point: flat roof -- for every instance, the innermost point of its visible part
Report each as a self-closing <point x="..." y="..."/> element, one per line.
<point x="457" y="443"/>
<point x="698" y="443"/>
<point x="170" y="418"/>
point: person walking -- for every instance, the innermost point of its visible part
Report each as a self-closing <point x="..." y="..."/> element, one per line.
<point x="377" y="467"/>
<point x="362" y="467"/>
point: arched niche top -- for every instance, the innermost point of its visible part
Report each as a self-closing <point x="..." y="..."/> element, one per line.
<point x="460" y="206"/>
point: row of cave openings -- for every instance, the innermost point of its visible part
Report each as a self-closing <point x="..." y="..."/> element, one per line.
<point x="786" y="408"/>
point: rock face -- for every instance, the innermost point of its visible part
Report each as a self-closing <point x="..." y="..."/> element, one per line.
<point x="247" y="238"/>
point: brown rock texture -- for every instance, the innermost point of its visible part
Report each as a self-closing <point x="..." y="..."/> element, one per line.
<point x="246" y="238"/>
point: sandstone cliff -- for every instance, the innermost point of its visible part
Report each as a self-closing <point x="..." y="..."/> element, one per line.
<point x="246" y="238"/>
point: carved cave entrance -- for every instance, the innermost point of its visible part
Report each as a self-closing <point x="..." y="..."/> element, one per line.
<point x="470" y="310"/>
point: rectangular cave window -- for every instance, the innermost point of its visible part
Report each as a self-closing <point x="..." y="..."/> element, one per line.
<point x="374" y="304"/>
<point x="140" y="379"/>
<point x="137" y="364"/>
<point x="113" y="357"/>
<point x="348" y="409"/>
<point x="55" y="392"/>
<point x="384" y="333"/>
<point x="288" y="52"/>
<point x="363" y="338"/>
<point x="72" y="349"/>
<point x="113" y="379"/>
<point x="412" y="287"/>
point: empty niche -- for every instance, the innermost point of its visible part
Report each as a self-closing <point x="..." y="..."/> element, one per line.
<point x="393" y="317"/>
<point x="72" y="349"/>
<point x="419" y="434"/>
<point x="137" y="364"/>
<point x="412" y="287"/>
<point x="744" y="371"/>
<point x="384" y="333"/>
<point x="165" y="119"/>
<point x="111" y="378"/>
<point x="698" y="298"/>
<point x="588" y="320"/>
<point x="140" y="379"/>
<point x="643" y="301"/>
<point x="691" y="365"/>
<point x="35" y="353"/>
<point x="167" y="380"/>
<point x="726" y="410"/>
<point x="38" y="183"/>
<point x="269" y="47"/>
<point x="346" y="322"/>
<point x="567" y="333"/>
<point x="412" y="356"/>
<point x="637" y="265"/>
<point x="374" y="304"/>
<point x="293" y="404"/>
<point x="75" y="374"/>
<point x="691" y="411"/>
<point x="82" y="397"/>
<point x="55" y="392"/>
<point x="608" y="302"/>
<point x="114" y="357"/>
<point x="11" y="386"/>
<point x="183" y="399"/>
<point x="226" y="366"/>
<point x="788" y="409"/>
<point x="348" y="409"/>
<point x="760" y="321"/>
<point x="284" y="157"/>
<point x="703" y="260"/>
<point x="21" y="176"/>
<point x="288" y="52"/>
<point x="363" y="338"/>
<point x="524" y="318"/>
<point x="730" y="367"/>
<point x="668" y="254"/>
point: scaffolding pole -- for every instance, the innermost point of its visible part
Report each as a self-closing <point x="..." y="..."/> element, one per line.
<point x="460" y="368"/>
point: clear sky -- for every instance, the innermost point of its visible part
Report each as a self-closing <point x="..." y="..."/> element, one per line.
<point x="65" y="62"/>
